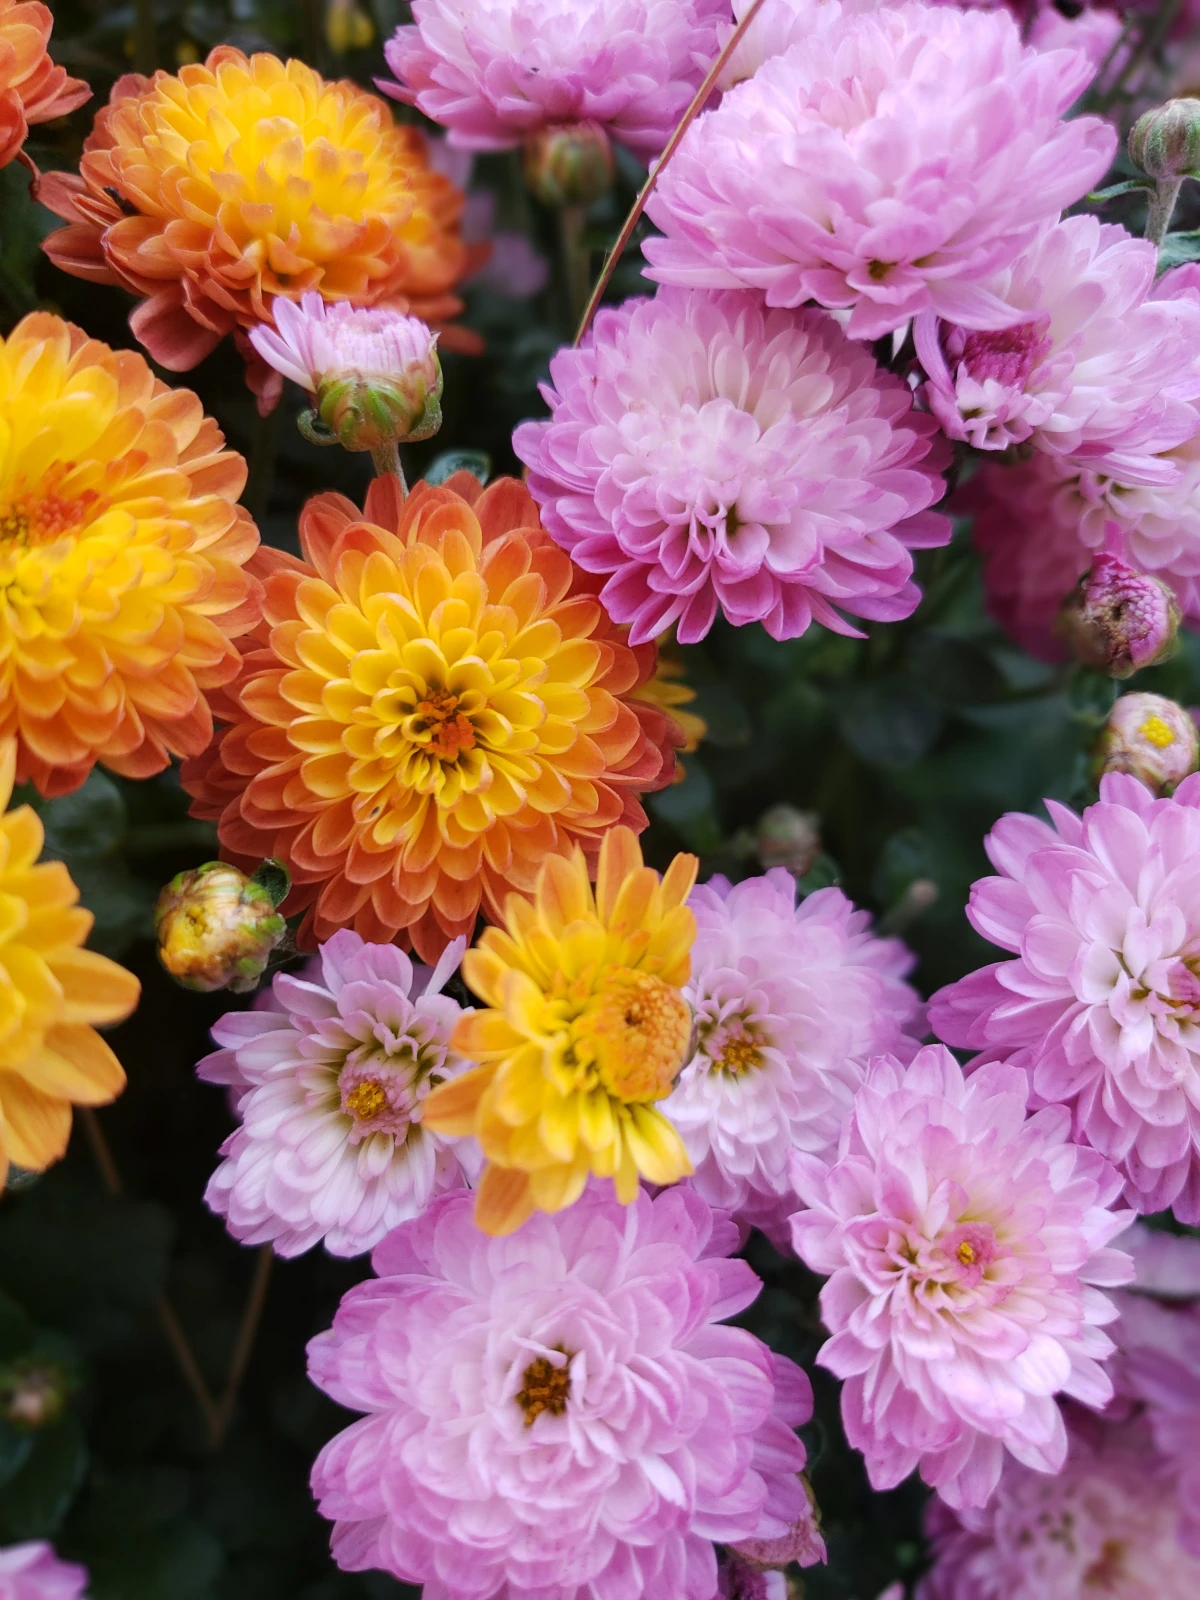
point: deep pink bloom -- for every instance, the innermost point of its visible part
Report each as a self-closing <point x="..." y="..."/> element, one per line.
<point x="1118" y="619"/>
<point x="33" y="1572"/>
<point x="902" y="157"/>
<point x="1101" y="1001"/>
<point x="329" y="1079"/>
<point x="706" y="452"/>
<point x="790" y="1002"/>
<point x="558" y="1413"/>
<point x="494" y="71"/>
<point x="964" y="1240"/>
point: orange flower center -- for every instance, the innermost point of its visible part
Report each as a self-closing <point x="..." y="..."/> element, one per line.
<point x="634" y="1033"/>
<point x="440" y="726"/>
<point x="545" y="1387"/>
<point x="39" y="516"/>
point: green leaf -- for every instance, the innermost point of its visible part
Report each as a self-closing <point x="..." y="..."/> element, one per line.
<point x="449" y="462"/>
<point x="689" y="807"/>
<point x="1177" y="249"/>
<point x="85" y="825"/>
<point x="36" y="1500"/>
<point x="1126" y="186"/>
<point x="890" y="724"/>
<point x="15" y="1449"/>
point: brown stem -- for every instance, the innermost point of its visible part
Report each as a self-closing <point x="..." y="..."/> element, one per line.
<point x="244" y="1347"/>
<point x="172" y="1329"/>
<point x="639" y="205"/>
<point x="145" y="37"/>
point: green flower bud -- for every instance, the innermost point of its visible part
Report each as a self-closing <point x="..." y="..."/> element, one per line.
<point x="788" y="838"/>
<point x="569" y="165"/>
<point x="216" y="928"/>
<point x="1165" y="142"/>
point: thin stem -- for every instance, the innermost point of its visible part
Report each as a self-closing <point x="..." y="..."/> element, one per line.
<point x="244" y="1346"/>
<point x="577" y="259"/>
<point x="257" y="496"/>
<point x="1161" y="208"/>
<point x="172" y="1329"/>
<point x="689" y="116"/>
<point x="387" y="459"/>
<point x="145" y="37"/>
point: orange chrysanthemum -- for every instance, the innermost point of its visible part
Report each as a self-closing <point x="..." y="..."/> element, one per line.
<point x="32" y="88"/>
<point x="214" y="192"/>
<point x="121" y="556"/>
<point x="52" y="991"/>
<point x="440" y="703"/>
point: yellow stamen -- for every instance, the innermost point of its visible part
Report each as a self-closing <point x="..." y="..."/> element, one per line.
<point x="739" y="1056"/>
<point x="966" y="1254"/>
<point x="545" y="1387"/>
<point x="1157" y="732"/>
<point x="366" y="1100"/>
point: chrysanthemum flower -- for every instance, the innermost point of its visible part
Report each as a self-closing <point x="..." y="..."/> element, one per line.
<point x="51" y="992"/>
<point x="870" y="186"/>
<point x="216" y="191"/>
<point x="1106" y="1528"/>
<point x="32" y="88"/>
<point x="560" y="1414"/>
<point x="438" y="703"/>
<point x="121" y="556"/>
<point x="964" y="1240"/>
<point x="705" y="452"/>
<point x="586" y="1030"/>
<point x="790" y="1004"/>
<point x="496" y="72"/>
<point x="33" y="1572"/>
<point x="1100" y="1001"/>
<point x="1091" y="369"/>
<point x="330" y="1084"/>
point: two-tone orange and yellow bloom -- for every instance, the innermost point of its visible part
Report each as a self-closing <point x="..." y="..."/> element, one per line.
<point x="122" y="551"/>
<point x="215" y="191"/>
<point x="586" y="1029"/>
<point x="32" y="88"/>
<point x="439" y="702"/>
<point x="52" y="992"/>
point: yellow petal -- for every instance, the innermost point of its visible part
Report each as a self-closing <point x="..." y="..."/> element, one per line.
<point x="558" y="1126"/>
<point x="620" y="855"/>
<point x="95" y="989"/>
<point x="503" y="1201"/>
<point x="480" y="1035"/>
<point x="564" y="895"/>
<point x="451" y="1108"/>
<point x="37" y="1126"/>
<point x="8" y="770"/>
<point x="521" y="1088"/>
<point x="75" y="1063"/>
<point x="679" y="881"/>
<point x="596" y="1122"/>
<point x="556" y="1188"/>
<point x="655" y="1146"/>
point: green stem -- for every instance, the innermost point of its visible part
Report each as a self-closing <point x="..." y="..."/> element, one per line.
<point x="1161" y="208"/>
<point x="387" y="459"/>
<point x="577" y="260"/>
<point x="257" y="494"/>
<point x="145" y="37"/>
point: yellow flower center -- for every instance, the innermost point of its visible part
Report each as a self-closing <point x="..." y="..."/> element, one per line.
<point x="1157" y="732"/>
<point x="740" y="1055"/>
<point x="366" y="1100"/>
<point x="633" y="1035"/>
<point x="545" y="1387"/>
<point x="440" y="726"/>
<point x="966" y="1254"/>
<point x="38" y="516"/>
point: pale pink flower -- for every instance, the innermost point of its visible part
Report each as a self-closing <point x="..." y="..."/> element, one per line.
<point x="558" y="1413"/>
<point x="33" y="1572"/>
<point x="901" y="158"/>
<point x="495" y="71"/>
<point x="704" y="451"/>
<point x="790" y="1002"/>
<point x="1092" y="369"/>
<point x="1100" y="1002"/>
<point x="330" y="1086"/>
<point x="1106" y="1528"/>
<point x="1094" y="30"/>
<point x="964" y="1239"/>
<point x="314" y="343"/>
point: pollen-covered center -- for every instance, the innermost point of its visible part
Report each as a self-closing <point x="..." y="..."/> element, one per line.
<point x="440" y="725"/>
<point x="39" y="515"/>
<point x="633" y="1034"/>
<point x="1157" y="732"/>
<point x="545" y="1387"/>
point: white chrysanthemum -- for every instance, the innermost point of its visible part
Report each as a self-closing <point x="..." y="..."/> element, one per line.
<point x="331" y="1144"/>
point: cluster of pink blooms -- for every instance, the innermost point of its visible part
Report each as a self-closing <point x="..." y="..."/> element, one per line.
<point x="33" y="1572"/>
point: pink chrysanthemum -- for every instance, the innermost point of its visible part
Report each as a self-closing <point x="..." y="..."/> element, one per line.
<point x="964" y="1240"/>
<point x="314" y="342"/>
<point x="558" y="1413"/>
<point x="496" y="71"/>
<point x="871" y="186"/>
<point x="1101" y="1001"/>
<point x="33" y="1572"/>
<point x="706" y="452"/>
<point x="1092" y="368"/>
<point x="330" y="1084"/>
<point x="790" y="1002"/>
<point x="1106" y="1528"/>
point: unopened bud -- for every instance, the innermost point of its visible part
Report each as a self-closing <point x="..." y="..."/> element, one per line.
<point x="1151" y="738"/>
<point x="1117" y="619"/>
<point x="569" y="165"/>
<point x="1165" y="142"/>
<point x="216" y="928"/>
<point x="738" y="1581"/>
<point x="788" y="838"/>
<point x="33" y="1393"/>
<point x="802" y="1543"/>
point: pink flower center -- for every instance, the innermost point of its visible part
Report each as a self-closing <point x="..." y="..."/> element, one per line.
<point x="1006" y="355"/>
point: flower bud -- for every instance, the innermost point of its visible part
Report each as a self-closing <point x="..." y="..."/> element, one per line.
<point x="788" y="838"/>
<point x="737" y="1581"/>
<point x="33" y="1393"/>
<point x="1117" y="619"/>
<point x="1165" y="142"/>
<point x="1150" y="737"/>
<point x="216" y="928"/>
<point x="569" y="165"/>
<point x="802" y="1543"/>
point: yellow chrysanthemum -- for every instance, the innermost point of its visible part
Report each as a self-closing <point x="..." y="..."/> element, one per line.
<point x="51" y="992"/>
<point x="122" y="550"/>
<point x="586" y="1029"/>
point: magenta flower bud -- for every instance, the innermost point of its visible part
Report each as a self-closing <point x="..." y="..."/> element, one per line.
<point x="1165" y="142"/>
<point x="569" y="165"/>
<point x="1151" y="738"/>
<point x="1118" y="619"/>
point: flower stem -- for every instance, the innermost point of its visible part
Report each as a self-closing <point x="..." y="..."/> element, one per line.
<point x="1162" y="208"/>
<point x="257" y="495"/>
<point x="244" y="1347"/>
<point x="145" y="37"/>
<point x="387" y="459"/>
<point x="576" y="258"/>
